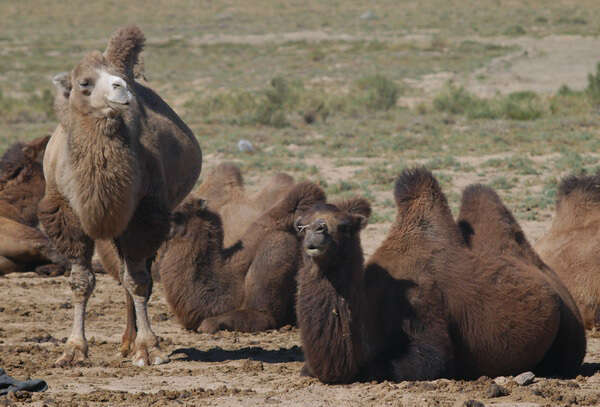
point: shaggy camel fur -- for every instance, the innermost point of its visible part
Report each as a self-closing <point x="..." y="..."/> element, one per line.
<point x="118" y="163"/>
<point x="247" y="287"/>
<point x="571" y="246"/>
<point x="23" y="246"/>
<point x="224" y="192"/>
<point x="426" y="305"/>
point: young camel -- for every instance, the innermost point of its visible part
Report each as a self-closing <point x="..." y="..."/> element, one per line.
<point x="571" y="246"/>
<point x="118" y="163"/>
<point x="246" y="287"/>
<point x="23" y="246"/>
<point x="425" y="306"/>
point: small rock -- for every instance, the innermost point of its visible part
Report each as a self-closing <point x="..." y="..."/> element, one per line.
<point x="245" y="146"/>
<point x="495" y="390"/>
<point x="524" y="378"/>
<point x="473" y="403"/>
<point x="501" y="380"/>
<point x="368" y="15"/>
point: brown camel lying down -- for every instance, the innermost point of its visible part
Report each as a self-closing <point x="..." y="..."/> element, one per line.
<point x="427" y="305"/>
<point x="23" y="247"/>
<point x="249" y="286"/>
<point x="224" y="192"/>
<point x="572" y="245"/>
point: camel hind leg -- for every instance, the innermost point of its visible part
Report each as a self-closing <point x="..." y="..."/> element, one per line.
<point x="138" y="245"/>
<point x="112" y="263"/>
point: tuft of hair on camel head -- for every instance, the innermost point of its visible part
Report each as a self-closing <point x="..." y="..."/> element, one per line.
<point x="416" y="184"/>
<point x="587" y="185"/>
<point x="124" y="48"/>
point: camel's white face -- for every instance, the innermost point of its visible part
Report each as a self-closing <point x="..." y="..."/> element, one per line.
<point x="108" y="92"/>
<point x="96" y="90"/>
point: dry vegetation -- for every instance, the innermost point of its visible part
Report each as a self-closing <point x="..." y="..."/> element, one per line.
<point x="343" y="93"/>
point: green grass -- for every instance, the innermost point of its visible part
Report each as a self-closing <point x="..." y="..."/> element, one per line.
<point x="314" y="87"/>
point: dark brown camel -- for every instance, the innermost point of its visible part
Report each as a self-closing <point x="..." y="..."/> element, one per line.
<point x="572" y="244"/>
<point x="426" y="305"/>
<point x="249" y="286"/>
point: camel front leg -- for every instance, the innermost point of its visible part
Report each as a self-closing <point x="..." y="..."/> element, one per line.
<point x="82" y="284"/>
<point x="138" y="282"/>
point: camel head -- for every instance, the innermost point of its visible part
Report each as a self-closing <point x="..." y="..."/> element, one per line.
<point x="327" y="227"/>
<point x="100" y="85"/>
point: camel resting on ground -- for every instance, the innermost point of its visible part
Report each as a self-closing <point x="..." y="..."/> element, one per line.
<point x="117" y="164"/>
<point x="249" y="286"/>
<point x="572" y="244"/>
<point x="23" y="247"/>
<point x="427" y="305"/>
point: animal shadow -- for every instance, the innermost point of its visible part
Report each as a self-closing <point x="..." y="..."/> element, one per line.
<point x="217" y="354"/>
<point x="589" y="369"/>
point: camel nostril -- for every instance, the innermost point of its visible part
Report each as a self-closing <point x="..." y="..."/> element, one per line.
<point x="116" y="85"/>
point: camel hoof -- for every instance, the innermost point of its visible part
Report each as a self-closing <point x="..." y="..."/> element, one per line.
<point x="73" y="355"/>
<point x="145" y="358"/>
<point x="208" y="326"/>
<point x="125" y="349"/>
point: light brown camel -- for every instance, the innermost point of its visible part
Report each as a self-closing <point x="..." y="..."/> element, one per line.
<point x="224" y="192"/>
<point x="426" y="305"/>
<point x="23" y="247"/>
<point x="249" y="286"/>
<point x="118" y="163"/>
<point x="572" y="244"/>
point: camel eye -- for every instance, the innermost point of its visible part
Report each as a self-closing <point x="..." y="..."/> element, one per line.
<point x="321" y="228"/>
<point x="84" y="83"/>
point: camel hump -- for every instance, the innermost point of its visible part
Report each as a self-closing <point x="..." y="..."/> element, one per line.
<point x="124" y="48"/>
<point x="416" y="184"/>
<point x="481" y="206"/>
<point x="586" y="185"/>
<point x="300" y="198"/>
<point x="228" y="174"/>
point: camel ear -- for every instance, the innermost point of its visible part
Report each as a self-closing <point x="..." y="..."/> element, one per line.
<point x="62" y="82"/>
<point x="354" y="224"/>
<point x="355" y="206"/>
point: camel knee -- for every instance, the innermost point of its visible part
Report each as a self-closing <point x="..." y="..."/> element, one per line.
<point x="138" y="281"/>
<point x="82" y="282"/>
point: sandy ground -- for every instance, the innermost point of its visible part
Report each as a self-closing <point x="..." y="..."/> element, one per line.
<point x="226" y="369"/>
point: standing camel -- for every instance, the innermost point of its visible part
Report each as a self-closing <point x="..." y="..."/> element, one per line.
<point x="118" y="163"/>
